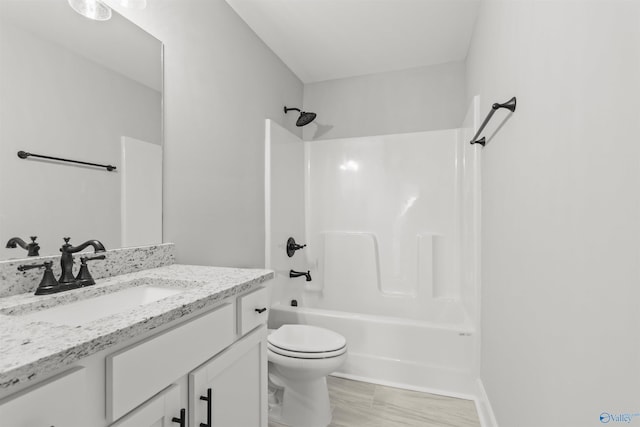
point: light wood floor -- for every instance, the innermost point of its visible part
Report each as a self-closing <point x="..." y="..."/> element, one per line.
<point x="360" y="404"/>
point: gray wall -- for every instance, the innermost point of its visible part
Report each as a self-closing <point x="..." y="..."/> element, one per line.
<point x="221" y="82"/>
<point x="560" y="210"/>
<point x="418" y="99"/>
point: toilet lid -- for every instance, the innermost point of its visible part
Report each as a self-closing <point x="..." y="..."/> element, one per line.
<point x="303" y="355"/>
<point x="306" y="339"/>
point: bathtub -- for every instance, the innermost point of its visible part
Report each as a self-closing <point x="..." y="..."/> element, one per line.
<point x="434" y="355"/>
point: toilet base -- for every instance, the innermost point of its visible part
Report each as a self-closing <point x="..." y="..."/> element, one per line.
<point x="304" y="404"/>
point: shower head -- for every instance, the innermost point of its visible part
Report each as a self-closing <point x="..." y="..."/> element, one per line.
<point x="305" y="117"/>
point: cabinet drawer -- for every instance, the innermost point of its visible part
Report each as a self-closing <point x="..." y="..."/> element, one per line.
<point x="252" y="310"/>
<point x="136" y="373"/>
<point x="57" y="401"/>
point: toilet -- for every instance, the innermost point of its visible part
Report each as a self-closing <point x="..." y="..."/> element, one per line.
<point x="300" y="358"/>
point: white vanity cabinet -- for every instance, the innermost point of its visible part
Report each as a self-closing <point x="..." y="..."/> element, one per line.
<point x="220" y="354"/>
<point x="230" y="389"/>
<point x="57" y="402"/>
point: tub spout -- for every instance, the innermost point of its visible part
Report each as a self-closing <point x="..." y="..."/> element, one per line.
<point x="293" y="273"/>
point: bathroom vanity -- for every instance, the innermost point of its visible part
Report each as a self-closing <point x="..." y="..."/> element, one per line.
<point x="170" y="346"/>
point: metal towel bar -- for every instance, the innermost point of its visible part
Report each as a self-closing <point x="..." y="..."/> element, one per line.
<point x="509" y="105"/>
<point x="24" y="155"/>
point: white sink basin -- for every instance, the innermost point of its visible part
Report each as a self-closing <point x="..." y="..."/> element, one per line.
<point x="84" y="311"/>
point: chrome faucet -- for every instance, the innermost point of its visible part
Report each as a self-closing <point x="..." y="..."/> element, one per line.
<point x="293" y="273"/>
<point x="32" y="247"/>
<point x="66" y="260"/>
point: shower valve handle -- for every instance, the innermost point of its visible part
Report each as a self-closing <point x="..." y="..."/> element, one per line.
<point x="292" y="246"/>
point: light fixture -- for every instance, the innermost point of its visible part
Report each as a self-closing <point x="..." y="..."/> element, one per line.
<point x="98" y="11"/>
<point x="92" y="9"/>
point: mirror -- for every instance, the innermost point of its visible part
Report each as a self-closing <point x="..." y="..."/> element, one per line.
<point x="84" y="90"/>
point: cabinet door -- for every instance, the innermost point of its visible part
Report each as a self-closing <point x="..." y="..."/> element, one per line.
<point x="236" y="384"/>
<point x="57" y="402"/>
<point x="159" y="411"/>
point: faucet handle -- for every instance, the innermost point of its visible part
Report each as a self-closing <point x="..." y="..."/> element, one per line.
<point x="32" y="266"/>
<point x="84" y="259"/>
<point x="84" y="277"/>
<point x="48" y="284"/>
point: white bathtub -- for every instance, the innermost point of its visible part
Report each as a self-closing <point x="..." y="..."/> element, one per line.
<point x="421" y="355"/>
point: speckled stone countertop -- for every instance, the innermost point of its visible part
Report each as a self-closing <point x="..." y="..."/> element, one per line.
<point x="29" y="348"/>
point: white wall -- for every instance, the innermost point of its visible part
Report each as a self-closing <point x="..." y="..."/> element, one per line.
<point x="221" y="82"/>
<point x="418" y="99"/>
<point x="382" y="220"/>
<point x="470" y="210"/>
<point x="140" y="192"/>
<point x="285" y="205"/>
<point x="57" y="103"/>
<point x="561" y="210"/>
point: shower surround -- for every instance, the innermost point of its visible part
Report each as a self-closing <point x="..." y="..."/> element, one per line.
<point x="390" y="224"/>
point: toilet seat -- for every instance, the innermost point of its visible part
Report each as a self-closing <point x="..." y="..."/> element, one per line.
<point x="301" y="340"/>
<point x="306" y="355"/>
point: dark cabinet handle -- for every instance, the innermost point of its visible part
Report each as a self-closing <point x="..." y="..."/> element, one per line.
<point x="183" y="418"/>
<point x="207" y="398"/>
<point x="261" y="310"/>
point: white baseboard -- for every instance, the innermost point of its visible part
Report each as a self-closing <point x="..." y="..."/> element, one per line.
<point x="405" y="386"/>
<point x="483" y="405"/>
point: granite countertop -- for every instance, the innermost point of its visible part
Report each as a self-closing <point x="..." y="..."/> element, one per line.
<point x="30" y="349"/>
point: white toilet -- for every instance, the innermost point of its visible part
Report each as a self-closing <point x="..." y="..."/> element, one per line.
<point x="300" y="358"/>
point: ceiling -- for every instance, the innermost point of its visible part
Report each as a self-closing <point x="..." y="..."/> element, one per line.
<point x="332" y="39"/>
<point x="116" y="44"/>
